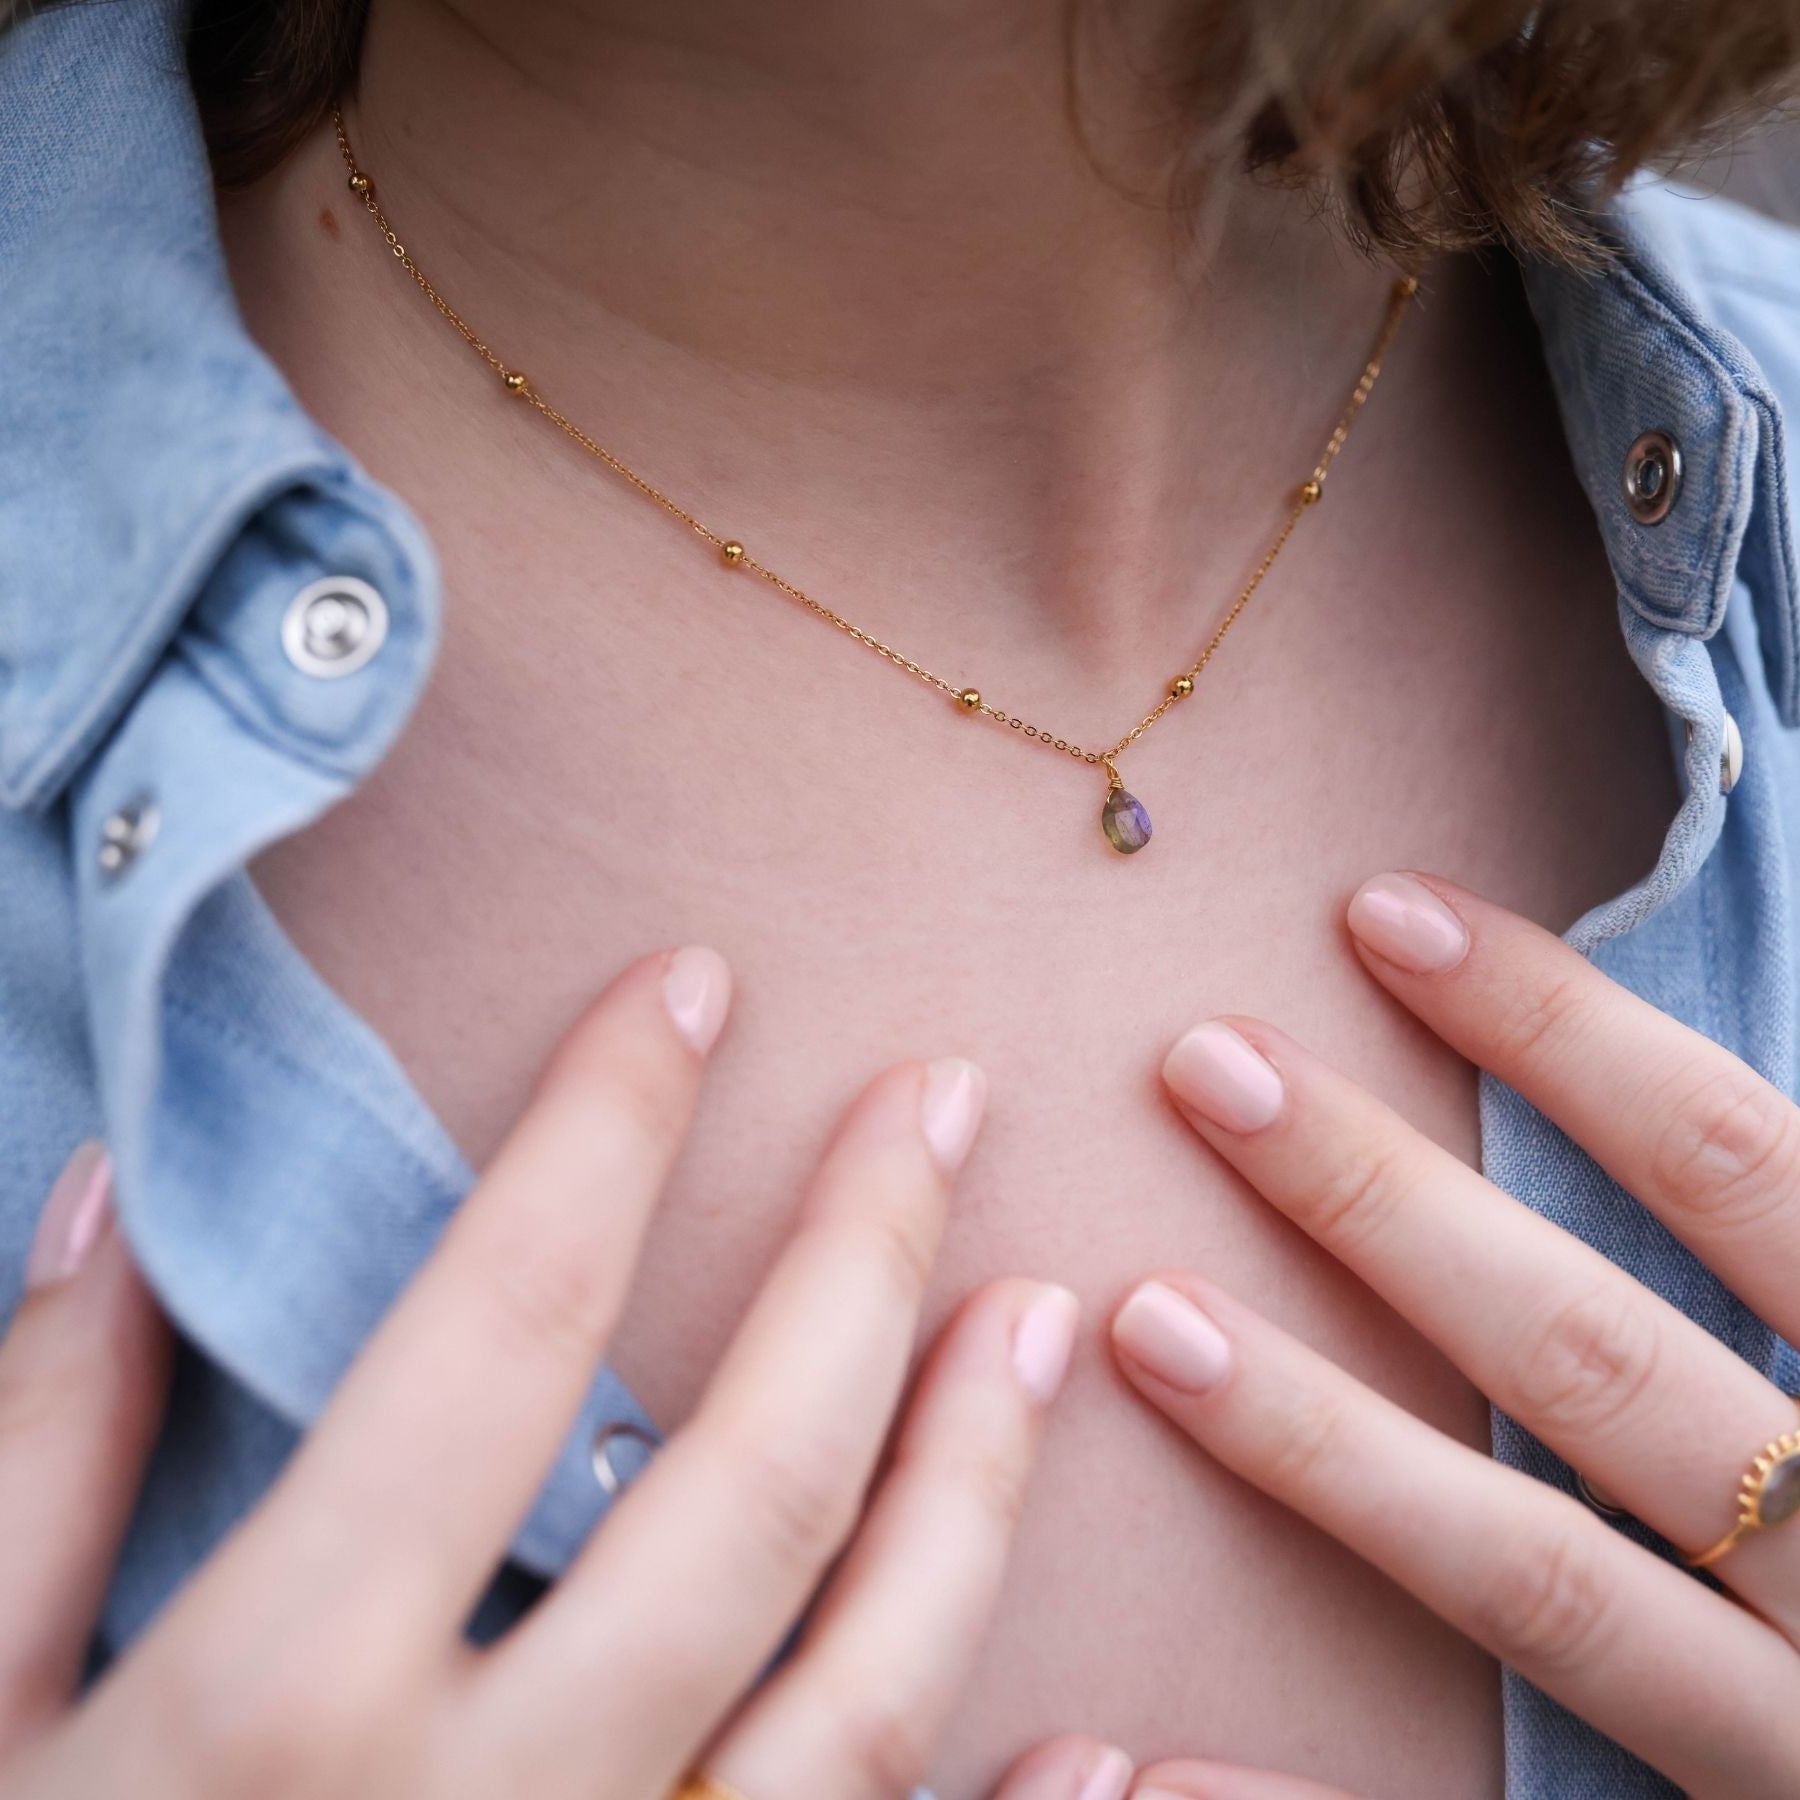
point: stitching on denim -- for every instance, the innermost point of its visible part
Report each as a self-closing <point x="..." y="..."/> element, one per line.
<point x="1713" y="1021"/>
<point x="132" y="662"/>
<point x="1771" y="450"/>
<point x="293" y="748"/>
<point x="304" y="1076"/>
<point x="1769" y="469"/>
<point x="345" y="490"/>
<point x="1656" y="307"/>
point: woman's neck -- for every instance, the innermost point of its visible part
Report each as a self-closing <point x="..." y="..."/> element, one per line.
<point x="845" y="267"/>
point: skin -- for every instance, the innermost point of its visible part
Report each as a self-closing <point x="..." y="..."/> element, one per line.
<point x="319" y="1650"/>
<point x="1659" y="1414"/>
<point x="615" y="1683"/>
<point x="835" y="276"/>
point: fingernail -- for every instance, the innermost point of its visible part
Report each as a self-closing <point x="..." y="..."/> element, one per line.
<point x="1168" y="1336"/>
<point x="1404" y="921"/>
<point x="697" y="992"/>
<point x="1108" y="1778"/>
<point x="72" y="1219"/>
<point x="1218" y="1074"/>
<point x="1042" y="1342"/>
<point x="950" y="1109"/>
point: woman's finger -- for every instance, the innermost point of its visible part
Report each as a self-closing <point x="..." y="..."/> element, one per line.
<point x="858" y="1712"/>
<point x="402" y="1500"/>
<point x="1223" y="1781"/>
<point x="1068" y="1768"/>
<point x="83" y="1371"/>
<point x="707" y="1561"/>
<point x="1680" y="1123"/>
<point x="1699" y="1688"/>
<point x="1617" y="1381"/>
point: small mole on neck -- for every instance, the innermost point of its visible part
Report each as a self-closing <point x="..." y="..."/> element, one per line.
<point x="328" y="223"/>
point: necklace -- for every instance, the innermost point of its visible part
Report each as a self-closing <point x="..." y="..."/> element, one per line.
<point x="1123" y="818"/>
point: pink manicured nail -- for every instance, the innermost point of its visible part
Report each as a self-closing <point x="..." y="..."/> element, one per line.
<point x="1221" y="1077"/>
<point x="1108" y="1779"/>
<point x="697" y="992"/>
<point x="950" y="1109"/>
<point x="1042" y="1342"/>
<point x="73" y="1218"/>
<point x="1168" y="1336"/>
<point x="1404" y="921"/>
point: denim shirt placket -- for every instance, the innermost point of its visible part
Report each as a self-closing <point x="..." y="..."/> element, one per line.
<point x="1700" y="591"/>
<point x="278" y="1176"/>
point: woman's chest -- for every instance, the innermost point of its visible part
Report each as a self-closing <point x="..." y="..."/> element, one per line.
<point x="890" y="879"/>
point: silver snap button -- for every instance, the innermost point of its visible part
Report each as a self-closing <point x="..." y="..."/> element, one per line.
<point x="333" y="627"/>
<point x="125" y="835"/>
<point x="1598" y="1498"/>
<point x="1652" y="477"/>
<point x="1731" y="756"/>
<point x="606" y="1470"/>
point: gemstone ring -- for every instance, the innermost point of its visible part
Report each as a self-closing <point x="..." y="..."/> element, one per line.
<point x="1769" y="1494"/>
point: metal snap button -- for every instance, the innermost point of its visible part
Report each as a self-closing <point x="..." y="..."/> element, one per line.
<point x="1598" y="1498"/>
<point x="126" y="834"/>
<point x="1652" y="477"/>
<point x="606" y="1471"/>
<point x="334" y="627"/>
<point x="1731" y="756"/>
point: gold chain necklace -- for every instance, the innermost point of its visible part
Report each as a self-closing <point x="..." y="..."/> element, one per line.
<point x="1123" y="817"/>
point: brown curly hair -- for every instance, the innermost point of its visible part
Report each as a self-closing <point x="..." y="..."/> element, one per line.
<point x="1426" y="124"/>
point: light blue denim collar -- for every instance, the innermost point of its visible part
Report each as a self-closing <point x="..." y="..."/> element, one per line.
<point x="1628" y="352"/>
<point x="141" y="429"/>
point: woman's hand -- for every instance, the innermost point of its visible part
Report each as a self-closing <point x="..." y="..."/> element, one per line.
<point x="319" y="1652"/>
<point x="1655" y="1412"/>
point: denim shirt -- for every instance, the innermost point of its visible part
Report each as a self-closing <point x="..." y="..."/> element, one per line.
<point x="186" y="561"/>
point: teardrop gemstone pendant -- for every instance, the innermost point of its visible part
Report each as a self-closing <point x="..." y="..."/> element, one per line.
<point x="1125" y="822"/>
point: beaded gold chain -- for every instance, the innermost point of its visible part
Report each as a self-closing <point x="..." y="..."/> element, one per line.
<point x="1123" y="818"/>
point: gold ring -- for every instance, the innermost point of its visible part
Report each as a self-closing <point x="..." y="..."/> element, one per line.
<point x="700" y="1786"/>
<point x="1768" y="1495"/>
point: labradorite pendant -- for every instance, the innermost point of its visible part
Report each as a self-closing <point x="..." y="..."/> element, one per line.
<point x="1125" y="822"/>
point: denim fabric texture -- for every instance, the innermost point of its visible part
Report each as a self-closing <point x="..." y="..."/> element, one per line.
<point x="162" y="500"/>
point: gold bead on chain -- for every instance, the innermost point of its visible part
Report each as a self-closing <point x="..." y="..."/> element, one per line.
<point x="1123" y="818"/>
